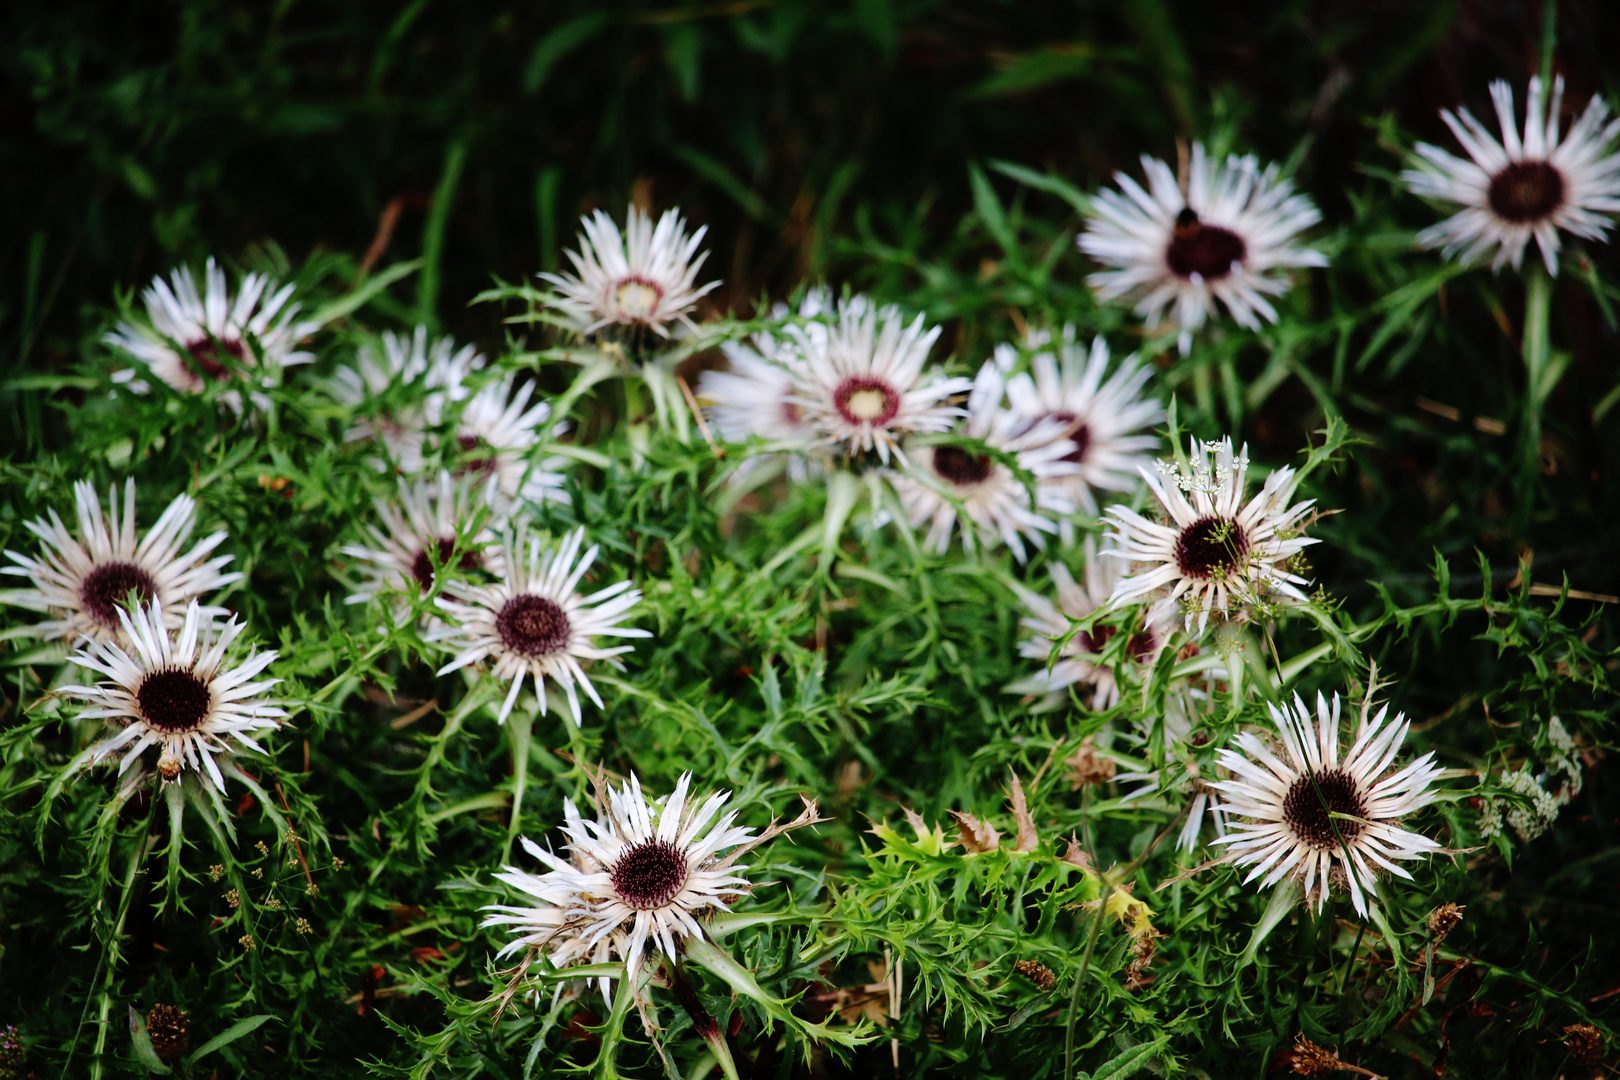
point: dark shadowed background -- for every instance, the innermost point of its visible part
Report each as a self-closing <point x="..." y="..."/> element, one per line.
<point x="138" y="135"/>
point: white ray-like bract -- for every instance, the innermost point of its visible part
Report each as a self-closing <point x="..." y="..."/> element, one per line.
<point x="644" y="277"/>
<point x="192" y="338"/>
<point x="418" y="529"/>
<point x="1094" y="411"/>
<point x="533" y="624"/>
<point x="1216" y="553"/>
<point x="1230" y="238"/>
<point x="173" y="689"/>
<point x="860" y="381"/>
<point x="433" y="373"/>
<point x="1515" y="189"/>
<point x="1320" y="817"/>
<point x="496" y="434"/>
<point x="639" y="879"/>
<point x="81" y="578"/>
<point x="754" y="398"/>
<point x="943" y="483"/>
<point x="1081" y="660"/>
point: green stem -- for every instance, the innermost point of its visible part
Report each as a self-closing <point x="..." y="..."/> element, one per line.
<point x="520" y="726"/>
<point x="1537" y="348"/>
<point x="1344" y="984"/>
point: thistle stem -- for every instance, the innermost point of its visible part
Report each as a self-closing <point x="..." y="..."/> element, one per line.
<point x="1537" y="351"/>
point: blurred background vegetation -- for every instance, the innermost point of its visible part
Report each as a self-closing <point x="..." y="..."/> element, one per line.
<point x="140" y="134"/>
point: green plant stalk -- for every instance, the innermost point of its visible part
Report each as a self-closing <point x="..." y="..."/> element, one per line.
<point x="108" y="968"/>
<point x="520" y="726"/>
<point x="1537" y="350"/>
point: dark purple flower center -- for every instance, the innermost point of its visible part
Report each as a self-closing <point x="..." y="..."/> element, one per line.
<point x="481" y="465"/>
<point x="1206" y="250"/>
<point x="1095" y="640"/>
<point x="205" y="355"/>
<point x="1076" y="431"/>
<point x="107" y="587"/>
<point x="957" y="466"/>
<point x="173" y="700"/>
<point x="1307" y="813"/>
<point x="422" y="565"/>
<point x="532" y="625"/>
<point x="1211" y="547"/>
<point x="863" y="400"/>
<point x="1525" y="191"/>
<point x="649" y="875"/>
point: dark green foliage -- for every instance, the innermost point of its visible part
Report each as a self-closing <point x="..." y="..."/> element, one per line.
<point x="935" y="155"/>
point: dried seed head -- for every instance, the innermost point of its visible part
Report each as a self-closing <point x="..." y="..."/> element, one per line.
<point x="170" y="1030"/>
<point x="1086" y="766"/>
<point x="303" y="927"/>
<point x="1584" y="1043"/>
<point x="216" y="871"/>
<point x="337" y="863"/>
<point x="1444" y="919"/>
<point x="1136" y="976"/>
<point x="247" y="942"/>
<point x="1037" y="973"/>
<point x="169" y="767"/>
<point x="234" y="899"/>
<point x="1313" y="1060"/>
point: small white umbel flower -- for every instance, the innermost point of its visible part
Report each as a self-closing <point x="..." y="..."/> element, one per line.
<point x="496" y="434"/>
<point x="638" y="880"/>
<point x="82" y="580"/>
<point x="1216" y="553"/>
<point x="533" y="623"/>
<point x="643" y="278"/>
<point x="435" y="374"/>
<point x="1093" y="411"/>
<point x="419" y="530"/>
<point x="197" y="338"/>
<point x="174" y="690"/>
<point x="861" y="385"/>
<point x="1514" y="189"/>
<point x="1081" y="663"/>
<point x="944" y="482"/>
<point x="1231" y="236"/>
<point x="1319" y="817"/>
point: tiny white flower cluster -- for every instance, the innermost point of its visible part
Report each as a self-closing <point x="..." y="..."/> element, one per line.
<point x="1538" y="803"/>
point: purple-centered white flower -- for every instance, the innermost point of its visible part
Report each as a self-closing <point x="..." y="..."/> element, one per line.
<point x="1230" y="237"/>
<point x="1317" y="815"/>
<point x="1517" y="188"/>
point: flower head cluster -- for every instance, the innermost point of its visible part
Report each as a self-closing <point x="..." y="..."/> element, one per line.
<point x="1096" y="413"/>
<point x="433" y="374"/>
<point x="1515" y="189"/>
<point x="425" y="530"/>
<point x="945" y="480"/>
<point x="172" y="689"/>
<point x="82" y="578"/>
<point x="1321" y="817"/>
<point x="1229" y="237"/>
<point x="1216" y="553"/>
<point x="496" y="437"/>
<point x="860" y="384"/>
<point x="754" y="397"/>
<point x="639" y="878"/>
<point x="533" y="623"/>
<point x="196" y="338"/>
<point x="1081" y="658"/>
<point x="641" y="279"/>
